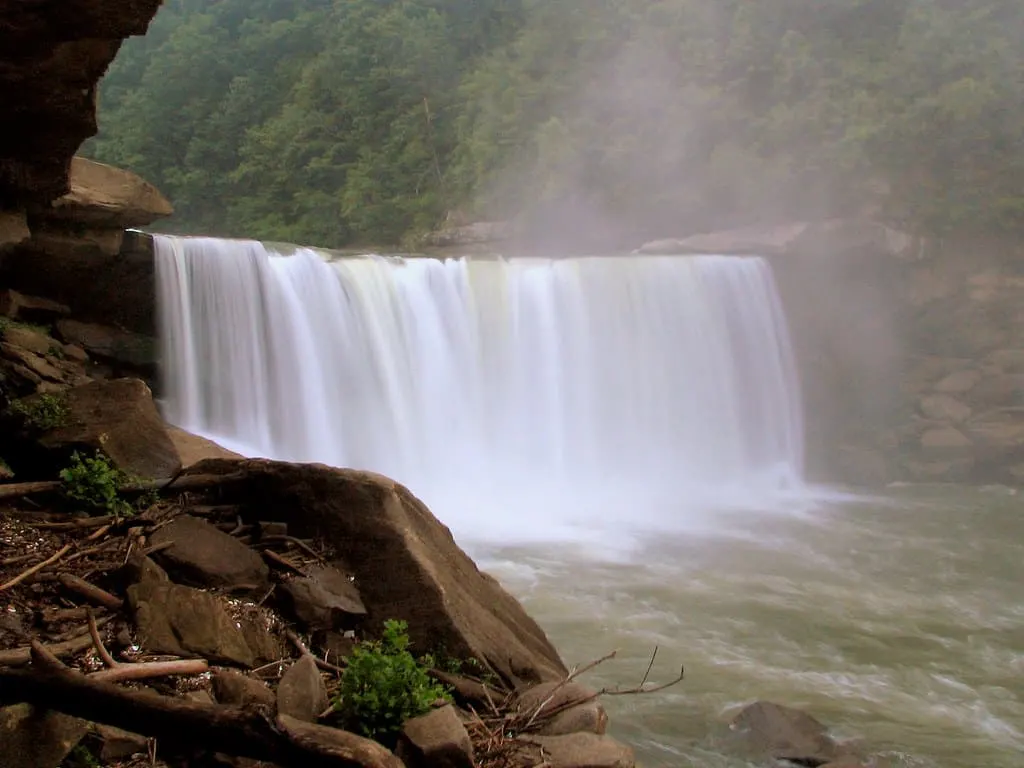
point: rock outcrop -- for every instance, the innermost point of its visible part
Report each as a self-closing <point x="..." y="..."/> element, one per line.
<point x="55" y="52"/>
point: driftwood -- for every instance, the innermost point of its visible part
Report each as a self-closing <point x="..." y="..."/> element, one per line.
<point x="178" y="484"/>
<point x="232" y="730"/>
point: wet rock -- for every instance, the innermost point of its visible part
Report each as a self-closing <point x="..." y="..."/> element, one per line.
<point x="187" y="622"/>
<point x="1010" y="360"/>
<point x="577" y="750"/>
<point x="130" y="349"/>
<point x="577" y="706"/>
<point x="384" y="529"/>
<point x="999" y="391"/>
<point x="31" y="361"/>
<point x="766" y="730"/>
<point x="301" y="693"/>
<point x="319" y="608"/>
<point x="945" y="408"/>
<point x="117" y="744"/>
<point x="192" y="448"/>
<point x="945" y="441"/>
<point x="202" y="555"/>
<point x="30" y="309"/>
<point x="119" y="419"/>
<point x="240" y="690"/>
<point x="437" y="739"/>
<point x="30" y="738"/>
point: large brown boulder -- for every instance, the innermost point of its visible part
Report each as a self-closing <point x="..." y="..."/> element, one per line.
<point x="405" y="562"/>
<point x="106" y="197"/>
<point x="119" y="419"/>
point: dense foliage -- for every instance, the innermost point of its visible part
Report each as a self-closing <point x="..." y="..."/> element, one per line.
<point x="355" y="121"/>
<point x="384" y="685"/>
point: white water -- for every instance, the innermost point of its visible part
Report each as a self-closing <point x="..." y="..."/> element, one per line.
<point x="520" y="399"/>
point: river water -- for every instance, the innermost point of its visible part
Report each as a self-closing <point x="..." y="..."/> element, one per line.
<point x="897" y="620"/>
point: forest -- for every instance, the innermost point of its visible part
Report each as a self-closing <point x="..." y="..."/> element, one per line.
<point x="357" y="122"/>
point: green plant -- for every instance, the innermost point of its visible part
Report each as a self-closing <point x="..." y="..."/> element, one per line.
<point x="44" y="412"/>
<point x="81" y="757"/>
<point x="93" y="482"/>
<point x="384" y="685"/>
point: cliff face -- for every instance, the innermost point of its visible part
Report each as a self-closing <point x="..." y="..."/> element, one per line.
<point x="54" y="53"/>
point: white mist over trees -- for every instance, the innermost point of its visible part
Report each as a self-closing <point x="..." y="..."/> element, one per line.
<point x="369" y="120"/>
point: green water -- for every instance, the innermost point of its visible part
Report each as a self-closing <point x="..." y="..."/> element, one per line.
<point x="898" y="621"/>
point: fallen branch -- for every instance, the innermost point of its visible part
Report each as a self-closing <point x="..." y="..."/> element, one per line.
<point x="37" y="567"/>
<point x="97" y="642"/>
<point x="178" y="484"/>
<point x="86" y="522"/>
<point x="89" y="591"/>
<point x="304" y="650"/>
<point x="276" y="559"/>
<point x="292" y="540"/>
<point x="150" y="669"/>
<point x="19" y="657"/>
<point x="232" y="730"/>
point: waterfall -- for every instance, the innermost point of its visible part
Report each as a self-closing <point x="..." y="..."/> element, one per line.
<point x="633" y="382"/>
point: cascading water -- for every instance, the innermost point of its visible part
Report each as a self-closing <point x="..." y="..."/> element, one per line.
<point x="566" y="391"/>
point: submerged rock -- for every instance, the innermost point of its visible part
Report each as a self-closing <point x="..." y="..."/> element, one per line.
<point x="765" y="730"/>
<point x="576" y="706"/>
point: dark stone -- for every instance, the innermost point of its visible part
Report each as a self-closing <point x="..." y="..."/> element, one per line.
<point x="240" y="690"/>
<point x="118" y="744"/>
<point x="202" y="555"/>
<point x="317" y="606"/>
<point x="30" y="738"/>
<point x="30" y="309"/>
<point x="578" y="750"/>
<point x="301" y="693"/>
<point x="437" y="739"/>
<point x="765" y="730"/>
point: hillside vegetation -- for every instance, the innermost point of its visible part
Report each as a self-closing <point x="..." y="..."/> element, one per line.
<point x="365" y="121"/>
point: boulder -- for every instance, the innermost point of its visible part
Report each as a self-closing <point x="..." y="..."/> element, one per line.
<point x="30" y="309"/>
<point x="28" y="339"/>
<point x="119" y="419"/>
<point x="577" y="706"/>
<point x="941" y="441"/>
<point x="108" y="197"/>
<point x="33" y="739"/>
<point x="1001" y="390"/>
<point x="437" y="739"/>
<point x="129" y="349"/>
<point x="958" y="383"/>
<point x="188" y="622"/>
<point x="240" y="690"/>
<point x="13" y="229"/>
<point x="301" y="693"/>
<point x="945" y="408"/>
<point x="193" y="448"/>
<point x="200" y="554"/>
<point x="30" y="361"/>
<point x="322" y="605"/>
<point x="379" y="527"/>
<point x="576" y="750"/>
<point x="765" y="731"/>
<point x="117" y="744"/>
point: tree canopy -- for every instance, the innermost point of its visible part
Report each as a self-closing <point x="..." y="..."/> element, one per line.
<point x="341" y="122"/>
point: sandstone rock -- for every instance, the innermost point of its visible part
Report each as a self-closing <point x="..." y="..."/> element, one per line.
<point x="999" y="391"/>
<point x="301" y="693"/>
<point x="317" y="607"/>
<point x="31" y="362"/>
<point x="118" y="744"/>
<point x="33" y="739"/>
<point x="437" y="739"/>
<point x="945" y="408"/>
<point x="193" y="448"/>
<point x="13" y="229"/>
<point x="130" y="349"/>
<point x="1010" y="360"/>
<point x="188" y="622"/>
<point x="33" y="341"/>
<point x="30" y="309"/>
<point x="586" y="716"/>
<point x="958" y="383"/>
<point x="109" y="197"/>
<point x="71" y="240"/>
<point x="578" y="750"/>
<point x="379" y="527"/>
<point x="359" y="750"/>
<point x="75" y="353"/>
<point x="119" y="419"/>
<point x="240" y="690"/>
<point x="205" y="556"/>
<point x="945" y="440"/>
<point x="765" y="730"/>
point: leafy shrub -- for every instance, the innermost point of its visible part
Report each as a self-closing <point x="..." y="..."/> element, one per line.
<point x="44" y="412"/>
<point x="384" y="685"/>
<point x="93" y="482"/>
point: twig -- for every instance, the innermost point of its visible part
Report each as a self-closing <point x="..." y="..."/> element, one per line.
<point x="151" y="669"/>
<point x="158" y="548"/>
<point x="36" y="568"/>
<point x="282" y="561"/>
<point x="94" y="633"/>
<point x="19" y="657"/>
<point x="304" y="650"/>
<point x="88" y="522"/>
<point x="649" y="666"/>
<point x="18" y="559"/>
<point x="641" y="689"/>
<point x="90" y="591"/>
<point x="81" y="631"/>
<point x="297" y="542"/>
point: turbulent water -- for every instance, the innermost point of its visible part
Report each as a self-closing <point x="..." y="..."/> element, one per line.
<point x="636" y="383"/>
<point x="619" y="439"/>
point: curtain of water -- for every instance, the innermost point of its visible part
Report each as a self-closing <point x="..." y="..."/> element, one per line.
<point x="636" y="372"/>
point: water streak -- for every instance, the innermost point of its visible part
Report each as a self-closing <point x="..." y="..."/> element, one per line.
<point x="633" y="381"/>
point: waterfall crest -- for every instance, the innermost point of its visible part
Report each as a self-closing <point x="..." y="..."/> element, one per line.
<point x="633" y="376"/>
